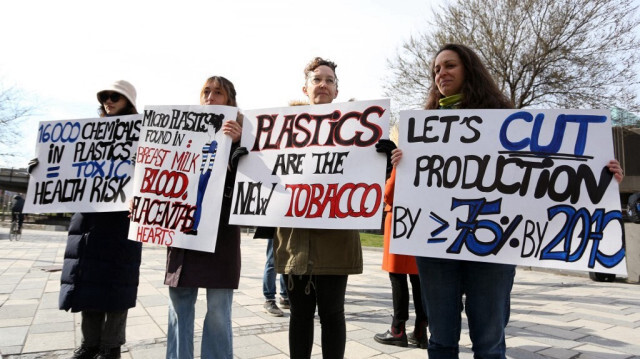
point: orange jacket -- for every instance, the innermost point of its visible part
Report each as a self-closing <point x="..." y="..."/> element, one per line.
<point x="394" y="263"/>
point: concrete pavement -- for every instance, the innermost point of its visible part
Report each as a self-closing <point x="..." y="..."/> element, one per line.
<point x="553" y="315"/>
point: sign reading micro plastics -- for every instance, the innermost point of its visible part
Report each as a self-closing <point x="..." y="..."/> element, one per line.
<point x="312" y="166"/>
<point x="509" y="186"/>
<point x="83" y="165"/>
<point x="181" y="166"/>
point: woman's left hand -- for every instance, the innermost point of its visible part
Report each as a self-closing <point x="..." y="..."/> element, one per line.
<point x="233" y="129"/>
<point x="614" y="167"/>
<point x="396" y="156"/>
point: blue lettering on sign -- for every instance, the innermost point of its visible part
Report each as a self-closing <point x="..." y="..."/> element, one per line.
<point x="592" y="230"/>
<point x="59" y="132"/>
<point x="107" y="169"/>
<point x="558" y="132"/>
<point x="469" y="227"/>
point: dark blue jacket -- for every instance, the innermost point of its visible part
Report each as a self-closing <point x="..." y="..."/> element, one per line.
<point x="101" y="266"/>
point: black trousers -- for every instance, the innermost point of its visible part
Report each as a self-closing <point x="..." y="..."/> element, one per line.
<point x="400" y="296"/>
<point x="103" y="329"/>
<point x="17" y="216"/>
<point x="327" y="292"/>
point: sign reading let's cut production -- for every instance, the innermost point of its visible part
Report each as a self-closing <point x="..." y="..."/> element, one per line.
<point x="509" y="186"/>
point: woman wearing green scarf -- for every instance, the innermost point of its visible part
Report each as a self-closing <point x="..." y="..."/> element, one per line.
<point x="461" y="81"/>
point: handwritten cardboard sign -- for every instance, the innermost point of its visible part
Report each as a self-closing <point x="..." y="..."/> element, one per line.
<point x="526" y="187"/>
<point x="181" y="164"/>
<point x="312" y="166"/>
<point x="83" y="165"/>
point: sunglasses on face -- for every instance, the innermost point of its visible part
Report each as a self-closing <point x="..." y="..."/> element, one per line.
<point x="113" y="96"/>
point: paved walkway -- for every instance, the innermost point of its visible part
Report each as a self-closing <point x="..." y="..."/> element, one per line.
<point x="553" y="315"/>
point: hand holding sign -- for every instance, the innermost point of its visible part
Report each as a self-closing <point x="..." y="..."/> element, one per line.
<point x="83" y="165"/>
<point x="313" y="166"/>
<point x="180" y="175"/>
<point x="555" y="161"/>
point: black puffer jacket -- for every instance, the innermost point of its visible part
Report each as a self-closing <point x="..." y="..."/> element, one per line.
<point x="101" y="266"/>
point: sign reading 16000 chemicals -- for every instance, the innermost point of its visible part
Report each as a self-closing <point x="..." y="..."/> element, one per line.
<point x="312" y="166"/>
<point x="83" y="165"/>
<point x="179" y="182"/>
<point x="509" y="186"/>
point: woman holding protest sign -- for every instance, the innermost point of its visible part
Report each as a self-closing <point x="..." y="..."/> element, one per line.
<point x="101" y="266"/>
<point x="400" y="267"/>
<point x="219" y="272"/>
<point x="317" y="262"/>
<point x="461" y="81"/>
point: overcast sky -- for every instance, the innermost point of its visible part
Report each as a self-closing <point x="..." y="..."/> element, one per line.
<point x="60" y="53"/>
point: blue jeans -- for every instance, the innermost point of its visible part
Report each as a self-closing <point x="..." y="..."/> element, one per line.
<point x="217" y="335"/>
<point x="487" y="287"/>
<point x="269" y="277"/>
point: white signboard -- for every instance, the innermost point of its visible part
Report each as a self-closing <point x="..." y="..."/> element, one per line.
<point x="526" y="187"/>
<point x="83" y="165"/>
<point x="181" y="164"/>
<point x="312" y="166"/>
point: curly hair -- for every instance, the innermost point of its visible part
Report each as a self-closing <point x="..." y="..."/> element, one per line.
<point x="479" y="90"/>
<point x="317" y="62"/>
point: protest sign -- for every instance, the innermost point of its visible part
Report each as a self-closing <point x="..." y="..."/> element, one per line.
<point x="181" y="165"/>
<point x="312" y="166"/>
<point x="83" y="165"/>
<point x="526" y="187"/>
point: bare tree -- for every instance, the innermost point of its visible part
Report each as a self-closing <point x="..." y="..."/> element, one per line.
<point x="542" y="53"/>
<point x="12" y="111"/>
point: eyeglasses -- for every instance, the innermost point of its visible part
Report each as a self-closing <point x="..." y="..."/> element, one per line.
<point x="113" y="96"/>
<point x="330" y="81"/>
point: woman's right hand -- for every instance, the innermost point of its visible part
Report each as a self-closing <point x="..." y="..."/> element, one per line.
<point x="396" y="156"/>
<point x="233" y="130"/>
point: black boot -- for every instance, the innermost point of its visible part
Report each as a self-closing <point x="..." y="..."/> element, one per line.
<point x="419" y="336"/>
<point x="395" y="336"/>
<point x="109" y="353"/>
<point x="85" y="352"/>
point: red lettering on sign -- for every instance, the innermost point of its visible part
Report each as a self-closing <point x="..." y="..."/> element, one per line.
<point x="347" y="200"/>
